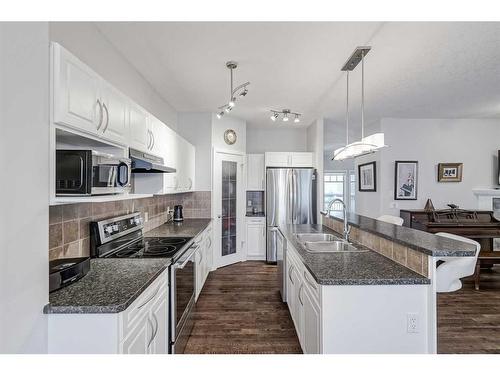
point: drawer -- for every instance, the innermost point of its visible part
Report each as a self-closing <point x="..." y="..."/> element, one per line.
<point x="311" y="284"/>
<point x="141" y="306"/>
<point x="256" y="220"/>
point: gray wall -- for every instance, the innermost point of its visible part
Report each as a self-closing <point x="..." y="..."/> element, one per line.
<point x="260" y="140"/>
<point x="24" y="187"/>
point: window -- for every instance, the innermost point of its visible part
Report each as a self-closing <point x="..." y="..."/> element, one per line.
<point x="338" y="185"/>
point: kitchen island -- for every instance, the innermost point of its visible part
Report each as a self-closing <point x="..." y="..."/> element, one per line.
<point x="368" y="301"/>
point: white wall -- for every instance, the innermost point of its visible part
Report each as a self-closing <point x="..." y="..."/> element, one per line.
<point x="86" y="42"/>
<point x="473" y="142"/>
<point x="24" y="186"/>
<point x="315" y="144"/>
<point x="219" y="126"/>
<point x="197" y="129"/>
<point x="261" y="140"/>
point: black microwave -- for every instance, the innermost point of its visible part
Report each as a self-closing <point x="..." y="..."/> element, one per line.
<point x="89" y="172"/>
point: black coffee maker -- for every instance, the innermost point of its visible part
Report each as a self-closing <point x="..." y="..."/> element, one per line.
<point x="178" y="213"/>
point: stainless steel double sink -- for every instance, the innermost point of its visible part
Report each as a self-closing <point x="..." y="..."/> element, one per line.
<point x="325" y="243"/>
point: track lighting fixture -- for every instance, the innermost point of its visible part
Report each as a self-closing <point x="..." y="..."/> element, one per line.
<point x="286" y="113"/>
<point x="240" y="90"/>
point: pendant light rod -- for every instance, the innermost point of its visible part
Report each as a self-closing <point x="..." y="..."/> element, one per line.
<point x="347" y="112"/>
<point x="362" y="94"/>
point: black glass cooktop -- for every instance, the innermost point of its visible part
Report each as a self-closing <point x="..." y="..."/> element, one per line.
<point x="151" y="247"/>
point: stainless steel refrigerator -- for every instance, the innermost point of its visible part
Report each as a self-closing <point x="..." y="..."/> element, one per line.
<point x="290" y="199"/>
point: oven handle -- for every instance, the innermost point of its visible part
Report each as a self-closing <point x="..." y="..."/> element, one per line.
<point x="192" y="250"/>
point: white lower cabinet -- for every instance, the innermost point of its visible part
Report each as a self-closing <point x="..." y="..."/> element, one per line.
<point x="303" y="303"/>
<point x="140" y="329"/>
<point x="203" y="259"/>
<point x="256" y="238"/>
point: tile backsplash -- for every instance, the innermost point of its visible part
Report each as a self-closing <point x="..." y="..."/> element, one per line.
<point x="69" y="234"/>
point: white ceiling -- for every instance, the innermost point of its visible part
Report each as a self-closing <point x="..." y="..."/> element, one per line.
<point x="415" y="70"/>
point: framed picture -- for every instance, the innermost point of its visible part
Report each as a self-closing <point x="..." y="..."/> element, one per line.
<point x="450" y="172"/>
<point x="405" y="180"/>
<point x="367" y="177"/>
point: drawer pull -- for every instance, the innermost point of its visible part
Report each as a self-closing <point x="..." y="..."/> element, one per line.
<point x="300" y="291"/>
<point x="290" y="274"/>
<point x="149" y="299"/>
<point x="313" y="285"/>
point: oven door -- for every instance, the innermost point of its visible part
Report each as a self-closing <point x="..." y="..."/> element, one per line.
<point x="110" y="175"/>
<point x="182" y="286"/>
<point x="73" y="172"/>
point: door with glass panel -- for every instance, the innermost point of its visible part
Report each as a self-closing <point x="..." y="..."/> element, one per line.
<point x="228" y="207"/>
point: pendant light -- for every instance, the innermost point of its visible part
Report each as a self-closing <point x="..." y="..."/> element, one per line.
<point x="371" y="143"/>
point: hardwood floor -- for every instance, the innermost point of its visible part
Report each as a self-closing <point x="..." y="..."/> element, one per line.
<point x="469" y="320"/>
<point x="240" y="311"/>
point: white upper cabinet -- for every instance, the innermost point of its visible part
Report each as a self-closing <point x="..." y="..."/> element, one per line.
<point x="76" y="90"/>
<point x="289" y="159"/>
<point x="255" y="172"/>
<point x="140" y="134"/>
<point x="116" y="117"/>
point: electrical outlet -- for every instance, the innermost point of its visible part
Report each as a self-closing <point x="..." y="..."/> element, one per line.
<point x="146" y="217"/>
<point x="412" y="322"/>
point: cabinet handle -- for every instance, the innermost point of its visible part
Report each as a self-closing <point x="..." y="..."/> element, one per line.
<point x="309" y="281"/>
<point x="149" y="299"/>
<point x="300" y="291"/>
<point x="290" y="270"/>
<point x="155" y="329"/>
<point x="153" y="137"/>
<point x="152" y="333"/>
<point x="107" y="117"/>
<point x="150" y="144"/>
<point x="101" y="114"/>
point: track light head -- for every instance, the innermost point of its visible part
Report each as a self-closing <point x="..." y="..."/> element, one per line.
<point x="232" y="102"/>
<point x="220" y="114"/>
<point x="244" y="92"/>
<point x="274" y="116"/>
<point x="228" y="109"/>
<point x="285" y="117"/>
<point x="296" y="119"/>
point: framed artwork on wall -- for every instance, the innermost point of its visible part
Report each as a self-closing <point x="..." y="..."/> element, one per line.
<point x="405" y="180"/>
<point x="367" y="177"/>
<point x="450" y="172"/>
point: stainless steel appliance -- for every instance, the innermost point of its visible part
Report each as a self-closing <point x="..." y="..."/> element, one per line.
<point x="89" y="172"/>
<point x="122" y="237"/>
<point x="290" y="199"/>
<point x="147" y="163"/>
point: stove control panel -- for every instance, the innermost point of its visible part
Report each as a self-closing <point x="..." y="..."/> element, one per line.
<point x="119" y="226"/>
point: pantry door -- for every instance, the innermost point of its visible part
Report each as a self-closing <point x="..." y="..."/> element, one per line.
<point x="228" y="208"/>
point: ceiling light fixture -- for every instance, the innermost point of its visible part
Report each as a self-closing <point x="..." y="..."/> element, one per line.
<point x="371" y="143"/>
<point x="240" y="90"/>
<point x="286" y="113"/>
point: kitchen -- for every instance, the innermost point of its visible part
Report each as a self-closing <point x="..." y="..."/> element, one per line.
<point x="217" y="188"/>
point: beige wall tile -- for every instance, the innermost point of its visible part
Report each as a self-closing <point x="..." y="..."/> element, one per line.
<point x="414" y="261"/>
<point x="55" y="253"/>
<point x="399" y="253"/>
<point x="72" y="250"/>
<point x="55" y="235"/>
<point x="70" y="212"/>
<point x="386" y="248"/>
<point x="55" y="214"/>
<point x="71" y="231"/>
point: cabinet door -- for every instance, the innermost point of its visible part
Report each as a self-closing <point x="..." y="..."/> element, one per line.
<point x="291" y="292"/>
<point x="140" y="134"/>
<point x="76" y="92"/>
<point x="159" y="135"/>
<point x="159" y="317"/>
<point x="311" y="323"/>
<point x="115" y="123"/>
<point x="301" y="159"/>
<point x="185" y="165"/>
<point x="277" y="159"/>
<point x="256" y="241"/>
<point x="255" y="172"/>
<point x="138" y="339"/>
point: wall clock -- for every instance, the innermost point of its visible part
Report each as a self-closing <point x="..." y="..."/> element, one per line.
<point x="230" y="136"/>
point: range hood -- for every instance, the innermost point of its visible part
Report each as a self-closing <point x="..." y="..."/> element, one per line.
<point x="146" y="163"/>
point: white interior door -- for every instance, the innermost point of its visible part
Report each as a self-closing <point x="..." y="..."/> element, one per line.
<point x="228" y="208"/>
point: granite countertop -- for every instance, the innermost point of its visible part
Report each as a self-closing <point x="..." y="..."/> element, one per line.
<point x="351" y="268"/>
<point x="186" y="228"/>
<point x="418" y="240"/>
<point x="110" y="286"/>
